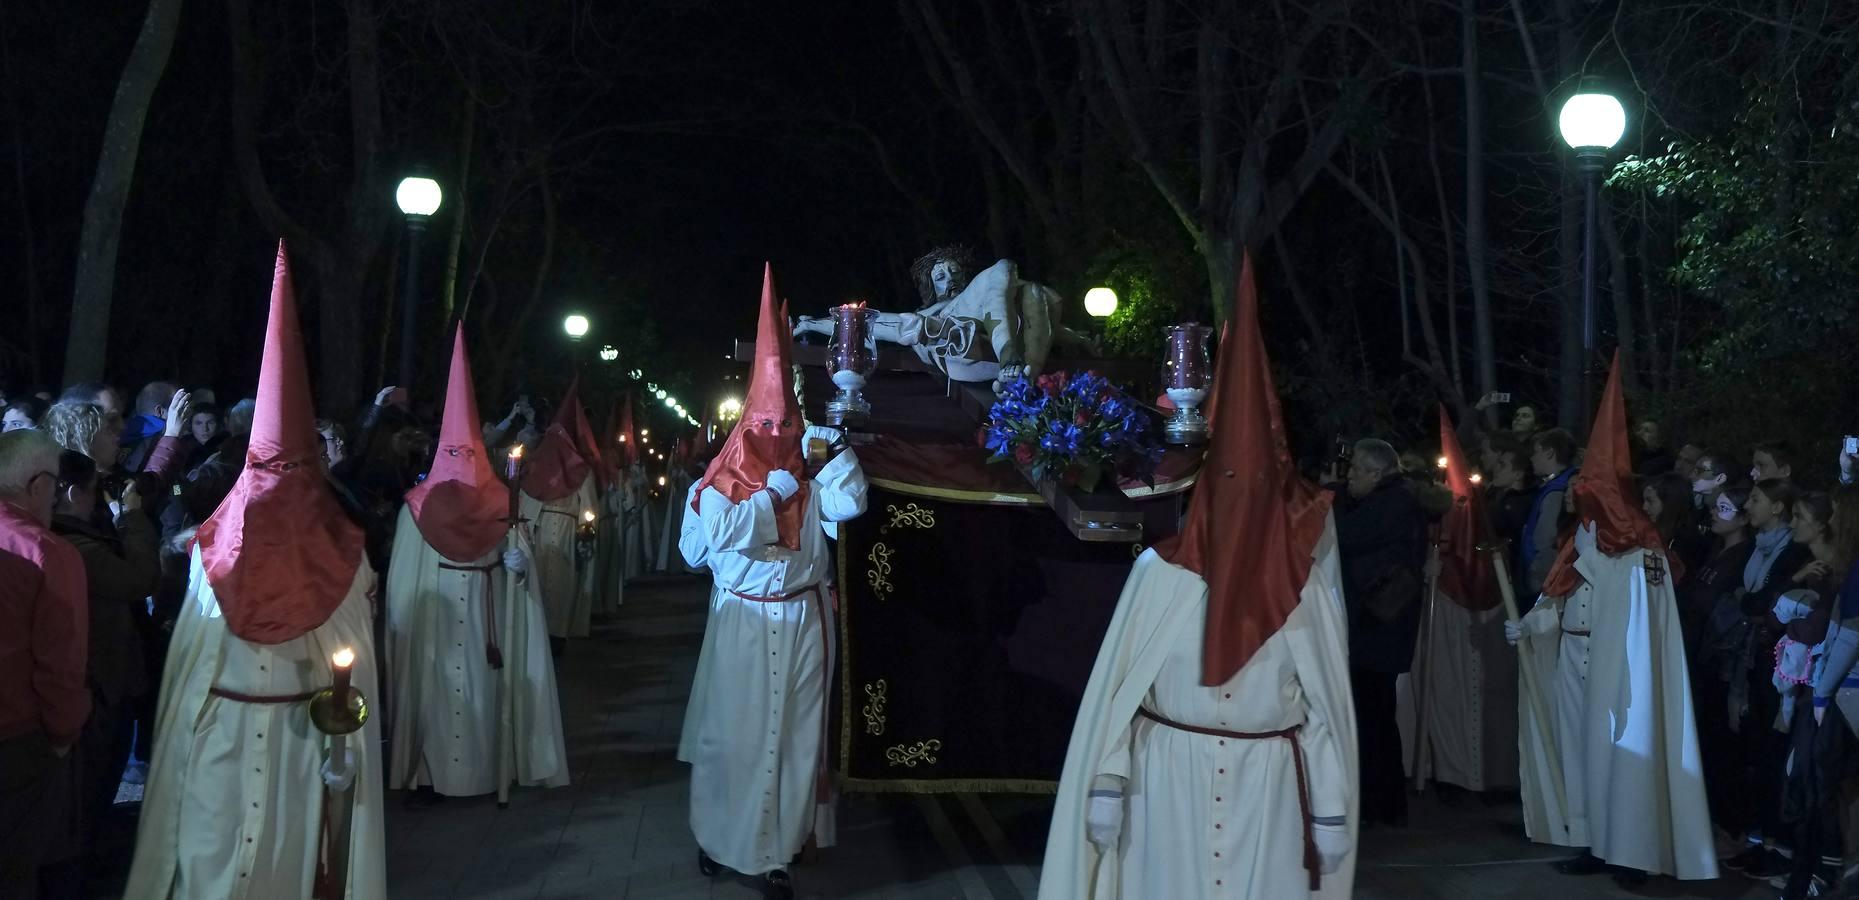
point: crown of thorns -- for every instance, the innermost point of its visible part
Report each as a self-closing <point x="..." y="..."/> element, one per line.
<point x="959" y="256"/>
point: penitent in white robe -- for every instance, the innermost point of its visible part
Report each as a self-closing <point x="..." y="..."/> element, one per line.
<point x="1469" y="685"/>
<point x="1206" y="816"/>
<point x="1612" y="660"/>
<point x="632" y="515"/>
<point x="448" y="710"/>
<point x="754" y="732"/>
<point x="677" y="484"/>
<point x="234" y="804"/>
<point x="609" y="575"/>
<point x="552" y="529"/>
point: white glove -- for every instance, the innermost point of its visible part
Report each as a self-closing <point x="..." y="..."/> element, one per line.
<point x="1513" y="631"/>
<point x="1103" y="821"/>
<point x="1333" y="845"/>
<point x="1584" y="541"/>
<point x="339" y="778"/>
<point x="782" y="482"/>
<point x="516" y="561"/>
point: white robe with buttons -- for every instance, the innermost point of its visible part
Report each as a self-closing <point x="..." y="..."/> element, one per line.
<point x="1206" y="816"/>
<point x="234" y="804"/>
<point x="754" y="732"/>
<point x="552" y="529"/>
<point x="446" y="710"/>
<point x="1632" y="781"/>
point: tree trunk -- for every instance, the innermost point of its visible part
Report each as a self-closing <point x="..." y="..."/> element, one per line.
<point x="1484" y="345"/>
<point x="1222" y="255"/>
<point x="461" y="209"/>
<point x="89" y="336"/>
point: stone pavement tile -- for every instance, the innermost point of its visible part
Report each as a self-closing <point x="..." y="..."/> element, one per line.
<point x="671" y="882"/>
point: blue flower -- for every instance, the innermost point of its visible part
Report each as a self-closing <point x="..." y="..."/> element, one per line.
<point x="1000" y="439"/>
<point x="1062" y="437"/>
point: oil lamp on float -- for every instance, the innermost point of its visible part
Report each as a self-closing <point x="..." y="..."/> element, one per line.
<point x="1187" y="373"/>
<point x="850" y="359"/>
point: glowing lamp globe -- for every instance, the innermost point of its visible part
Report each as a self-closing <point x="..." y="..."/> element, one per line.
<point x="1592" y="122"/>
<point x="1100" y="302"/>
<point x="418" y="196"/>
<point x="659" y="393"/>
<point x="576" y="326"/>
<point x="609" y="353"/>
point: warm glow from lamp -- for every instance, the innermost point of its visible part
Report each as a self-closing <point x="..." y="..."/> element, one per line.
<point x="1443" y="462"/>
<point x="576" y="326"/>
<point x="661" y="481"/>
<point x="1477" y="478"/>
<point x="343" y="658"/>
<point x="1100" y="302"/>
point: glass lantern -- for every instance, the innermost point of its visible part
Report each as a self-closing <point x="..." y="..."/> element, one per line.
<point x="850" y="359"/>
<point x="1187" y="373"/>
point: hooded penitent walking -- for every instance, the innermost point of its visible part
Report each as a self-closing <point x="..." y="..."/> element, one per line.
<point x="560" y="483"/>
<point x="475" y="705"/>
<point x="1214" y="754"/>
<point x="246" y="797"/>
<point x="754" y="732"/>
<point x="1605" y="639"/>
<point x="1467" y="675"/>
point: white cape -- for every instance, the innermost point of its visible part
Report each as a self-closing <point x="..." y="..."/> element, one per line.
<point x="1161" y="604"/>
<point x="234" y="803"/>
<point x="1625" y="734"/>
<point x="448" y="701"/>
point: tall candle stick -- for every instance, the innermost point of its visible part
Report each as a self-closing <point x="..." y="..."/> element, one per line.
<point x="513" y="470"/>
<point x="344" y="663"/>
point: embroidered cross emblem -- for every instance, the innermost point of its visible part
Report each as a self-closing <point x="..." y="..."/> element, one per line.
<point x="1655" y="569"/>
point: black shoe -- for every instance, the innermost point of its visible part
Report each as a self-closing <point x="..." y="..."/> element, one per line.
<point x="706" y="866"/>
<point x="777" y="886"/>
<point x="1585" y="864"/>
<point x="1771" y="865"/>
<point x="1630" y="879"/>
<point x="1751" y="856"/>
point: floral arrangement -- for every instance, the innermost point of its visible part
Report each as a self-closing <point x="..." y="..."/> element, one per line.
<point x="1072" y="428"/>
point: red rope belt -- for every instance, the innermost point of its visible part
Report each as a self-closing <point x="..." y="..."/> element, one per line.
<point x="1313" y="863"/>
<point x="493" y="654"/>
<point x="238" y="697"/>
<point x="822" y="791"/>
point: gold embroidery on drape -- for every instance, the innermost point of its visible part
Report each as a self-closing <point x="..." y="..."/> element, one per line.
<point x="874" y="707"/>
<point x="911" y="516"/>
<point x="910" y="755"/>
<point x="879" y="577"/>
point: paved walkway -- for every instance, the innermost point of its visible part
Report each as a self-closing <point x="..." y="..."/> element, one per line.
<point x="620" y="830"/>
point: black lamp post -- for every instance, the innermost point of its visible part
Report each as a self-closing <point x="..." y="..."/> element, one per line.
<point x="418" y="198"/>
<point x="1591" y="124"/>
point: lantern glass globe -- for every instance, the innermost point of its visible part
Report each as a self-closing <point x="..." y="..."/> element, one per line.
<point x="575" y="326"/>
<point x="1100" y="302"/>
<point x="418" y="196"/>
<point x="1592" y="121"/>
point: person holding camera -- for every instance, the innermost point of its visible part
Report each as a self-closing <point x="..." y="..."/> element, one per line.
<point x="1381" y="532"/>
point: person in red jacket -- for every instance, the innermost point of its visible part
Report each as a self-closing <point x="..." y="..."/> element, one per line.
<point x="44" y="627"/>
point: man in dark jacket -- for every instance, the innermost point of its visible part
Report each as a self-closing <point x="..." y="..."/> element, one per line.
<point x="1381" y="533"/>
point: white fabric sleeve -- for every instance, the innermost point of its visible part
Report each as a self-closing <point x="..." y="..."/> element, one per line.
<point x="898" y="328"/>
<point x="1322" y="671"/>
<point x="1544" y="618"/>
<point x="693" y="544"/>
<point x="842" y="488"/>
<point x="737" y="526"/>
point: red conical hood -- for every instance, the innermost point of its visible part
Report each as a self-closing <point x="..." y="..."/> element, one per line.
<point x="768" y="435"/>
<point x="557" y="465"/>
<point x="460" y="507"/>
<point x="279" y="552"/>
<point x="1253" y="523"/>
<point x="1465" y="574"/>
<point x="1605" y="495"/>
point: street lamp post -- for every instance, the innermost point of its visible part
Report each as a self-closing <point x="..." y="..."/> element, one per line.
<point x="418" y="198"/>
<point x="1591" y="124"/>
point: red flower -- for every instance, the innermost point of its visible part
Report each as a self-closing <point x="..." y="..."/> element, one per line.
<point x="1080" y="419"/>
<point x="1050" y="384"/>
<point x="1023" y="454"/>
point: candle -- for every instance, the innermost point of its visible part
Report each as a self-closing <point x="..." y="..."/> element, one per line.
<point x="1477" y="478"/>
<point x="344" y="663"/>
<point x="1443" y="462"/>
<point x="514" y="468"/>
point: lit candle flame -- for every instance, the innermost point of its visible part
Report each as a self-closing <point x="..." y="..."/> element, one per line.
<point x="856" y="304"/>
<point x="1477" y="478"/>
<point x="661" y="481"/>
<point x="344" y="658"/>
<point x="587" y="516"/>
<point x="516" y="452"/>
<point x="1442" y="462"/>
<point x="622" y="439"/>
